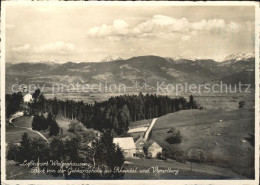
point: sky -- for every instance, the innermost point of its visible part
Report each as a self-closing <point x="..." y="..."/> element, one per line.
<point x="82" y="33"/>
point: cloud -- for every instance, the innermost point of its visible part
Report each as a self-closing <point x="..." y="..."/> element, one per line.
<point x="160" y="26"/>
<point x="55" y="47"/>
<point x="119" y="27"/>
<point x="23" y="48"/>
<point x="161" y="23"/>
<point x="209" y="25"/>
<point x="49" y="48"/>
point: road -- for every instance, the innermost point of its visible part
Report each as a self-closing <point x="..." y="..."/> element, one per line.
<point x="16" y="115"/>
<point x="146" y="135"/>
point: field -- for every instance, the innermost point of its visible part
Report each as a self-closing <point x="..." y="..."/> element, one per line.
<point x="140" y="123"/>
<point x="216" y="134"/>
<point x="139" y="128"/>
<point x="225" y="102"/>
<point x="24" y="121"/>
<point x="19" y="126"/>
<point x="14" y="134"/>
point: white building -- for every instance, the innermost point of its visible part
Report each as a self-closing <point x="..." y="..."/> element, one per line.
<point x="27" y="98"/>
<point x="127" y="146"/>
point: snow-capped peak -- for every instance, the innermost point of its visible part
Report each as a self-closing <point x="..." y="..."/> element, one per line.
<point x="179" y="57"/>
<point x="239" y="56"/>
<point x="111" y="58"/>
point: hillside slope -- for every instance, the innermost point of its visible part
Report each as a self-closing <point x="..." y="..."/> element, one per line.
<point x="220" y="143"/>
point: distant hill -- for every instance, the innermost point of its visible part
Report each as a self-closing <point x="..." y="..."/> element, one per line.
<point x="151" y="69"/>
<point x="244" y="77"/>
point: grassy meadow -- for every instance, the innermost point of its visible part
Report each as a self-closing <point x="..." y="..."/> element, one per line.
<point x="216" y="134"/>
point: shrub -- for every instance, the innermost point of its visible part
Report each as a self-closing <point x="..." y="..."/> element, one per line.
<point x="159" y="155"/>
<point x="174" y="136"/>
<point x="197" y="156"/>
<point x="241" y="104"/>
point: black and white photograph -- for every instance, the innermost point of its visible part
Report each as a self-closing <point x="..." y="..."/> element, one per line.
<point x="129" y="91"/>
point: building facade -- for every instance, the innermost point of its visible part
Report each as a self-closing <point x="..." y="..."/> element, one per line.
<point x="127" y="146"/>
<point x="152" y="149"/>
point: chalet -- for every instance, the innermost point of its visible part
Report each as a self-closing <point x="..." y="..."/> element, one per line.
<point x="127" y="145"/>
<point x="152" y="149"/>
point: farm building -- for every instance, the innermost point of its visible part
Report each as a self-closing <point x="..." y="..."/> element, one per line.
<point x="152" y="149"/>
<point x="139" y="144"/>
<point x="127" y="145"/>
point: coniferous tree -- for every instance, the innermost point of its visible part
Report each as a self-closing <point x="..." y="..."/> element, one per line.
<point x="24" y="150"/>
<point x="54" y="128"/>
<point x="108" y="154"/>
<point x="191" y="103"/>
<point x="56" y="149"/>
<point x="14" y="103"/>
<point x="55" y="107"/>
<point x="36" y="122"/>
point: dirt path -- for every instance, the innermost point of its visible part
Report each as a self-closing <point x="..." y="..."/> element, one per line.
<point x="146" y="135"/>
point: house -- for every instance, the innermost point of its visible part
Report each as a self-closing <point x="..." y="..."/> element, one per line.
<point x="152" y="149"/>
<point x="127" y="146"/>
<point x="139" y="144"/>
<point x="27" y="98"/>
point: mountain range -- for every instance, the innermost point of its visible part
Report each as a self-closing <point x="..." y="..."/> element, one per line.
<point x="150" y="69"/>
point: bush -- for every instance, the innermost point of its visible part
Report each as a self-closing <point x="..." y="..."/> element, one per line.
<point x="197" y="156"/>
<point x="180" y="156"/>
<point x="159" y="155"/>
<point x="241" y="104"/>
<point x="174" y="136"/>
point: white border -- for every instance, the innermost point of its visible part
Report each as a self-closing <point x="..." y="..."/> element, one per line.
<point x="131" y="3"/>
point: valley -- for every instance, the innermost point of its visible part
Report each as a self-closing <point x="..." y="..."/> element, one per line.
<point x="216" y="135"/>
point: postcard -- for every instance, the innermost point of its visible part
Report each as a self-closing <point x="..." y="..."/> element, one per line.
<point x="130" y="92"/>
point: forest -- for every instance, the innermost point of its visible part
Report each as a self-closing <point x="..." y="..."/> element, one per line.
<point x="115" y="113"/>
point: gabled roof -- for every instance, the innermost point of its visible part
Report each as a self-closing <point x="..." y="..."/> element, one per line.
<point x="140" y="142"/>
<point x="125" y="143"/>
<point x="149" y="143"/>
